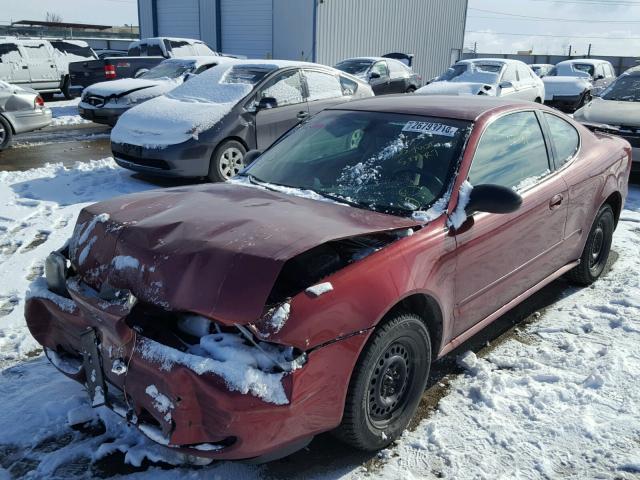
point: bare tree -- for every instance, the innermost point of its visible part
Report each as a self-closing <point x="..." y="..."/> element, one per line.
<point x="53" y="17"/>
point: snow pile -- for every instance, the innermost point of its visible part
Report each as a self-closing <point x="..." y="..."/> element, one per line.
<point x="66" y="113"/>
<point x="38" y="209"/>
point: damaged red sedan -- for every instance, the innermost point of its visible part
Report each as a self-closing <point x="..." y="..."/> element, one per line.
<point x="313" y="291"/>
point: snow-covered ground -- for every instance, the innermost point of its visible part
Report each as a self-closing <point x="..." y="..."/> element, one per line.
<point x="65" y="112"/>
<point x="559" y="399"/>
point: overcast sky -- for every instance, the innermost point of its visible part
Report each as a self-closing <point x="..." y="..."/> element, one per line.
<point x="103" y="12"/>
<point x="615" y="20"/>
<point x="572" y="19"/>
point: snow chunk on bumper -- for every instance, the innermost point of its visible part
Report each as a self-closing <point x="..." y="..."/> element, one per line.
<point x="238" y="365"/>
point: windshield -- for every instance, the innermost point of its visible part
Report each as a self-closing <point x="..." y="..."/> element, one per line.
<point x="626" y="88"/>
<point x="474" y="72"/>
<point x="168" y="70"/>
<point x="354" y="67"/>
<point x="386" y="162"/>
<point x="247" y="74"/>
<point x="536" y="69"/>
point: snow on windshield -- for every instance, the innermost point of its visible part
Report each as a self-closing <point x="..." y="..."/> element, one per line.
<point x="626" y="88"/>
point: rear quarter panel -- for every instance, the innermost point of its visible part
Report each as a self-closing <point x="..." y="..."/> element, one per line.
<point x="600" y="169"/>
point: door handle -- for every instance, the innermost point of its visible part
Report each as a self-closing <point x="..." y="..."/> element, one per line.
<point x="25" y="67"/>
<point x="303" y="115"/>
<point x="555" y="201"/>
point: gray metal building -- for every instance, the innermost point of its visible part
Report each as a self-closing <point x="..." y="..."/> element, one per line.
<point x="323" y="31"/>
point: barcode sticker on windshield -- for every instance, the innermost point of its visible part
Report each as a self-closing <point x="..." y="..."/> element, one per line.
<point x="430" y="127"/>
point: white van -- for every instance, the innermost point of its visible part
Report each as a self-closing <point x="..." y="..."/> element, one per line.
<point x="30" y="63"/>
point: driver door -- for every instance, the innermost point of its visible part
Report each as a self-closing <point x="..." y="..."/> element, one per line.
<point x="499" y="257"/>
<point x="287" y="108"/>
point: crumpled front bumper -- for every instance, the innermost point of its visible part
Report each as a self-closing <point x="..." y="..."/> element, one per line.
<point x="206" y="418"/>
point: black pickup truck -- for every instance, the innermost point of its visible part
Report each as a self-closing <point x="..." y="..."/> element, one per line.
<point x="142" y="56"/>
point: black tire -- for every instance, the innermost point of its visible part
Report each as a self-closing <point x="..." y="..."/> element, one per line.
<point x="6" y="133"/>
<point x="387" y="383"/>
<point x="226" y="161"/>
<point x="596" y="251"/>
<point x="410" y="89"/>
<point x="65" y="88"/>
<point x="586" y="98"/>
<point x="48" y="96"/>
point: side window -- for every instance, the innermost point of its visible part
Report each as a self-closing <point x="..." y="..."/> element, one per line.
<point x="612" y="72"/>
<point x="285" y="88"/>
<point x="509" y="74"/>
<point x="397" y="69"/>
<point x="349" y="87"/>
<point x="565" y="138"/>
<point x="134" y="52"/>
<point x="37" y="52"/>
<point x="381" y="68"/>
<point x="9" y="53"/>
<point x="511" y="153"/>
<point x="151" y="50"/>
<point x="322" y="85"/>
<point x="524" y="73"/>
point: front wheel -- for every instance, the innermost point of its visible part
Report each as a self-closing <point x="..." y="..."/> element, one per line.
<point x="5" y="134"/>
<point x="387" y="383"/>
<point x="65" y="88"/>
<point x="596" y="251"/>
<point x="227" y="161"/>
<point x="411" y="89"/>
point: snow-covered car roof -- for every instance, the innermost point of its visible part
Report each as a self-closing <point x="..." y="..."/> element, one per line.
<point x="159" y="40"/>
<point x="199" y="60"/>
<point x="587" y="61"/>
<point x="540" y="65"/>
<point x="504" y="61"/>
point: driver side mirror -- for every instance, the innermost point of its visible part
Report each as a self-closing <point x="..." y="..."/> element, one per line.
<point x="599" y="76"/>
<point x="374" y="75"/>
<point x="506" y="84"/>
<point x="251" y="156"/>
<point x="267" y="102"/>
<point x="493" y="199"/>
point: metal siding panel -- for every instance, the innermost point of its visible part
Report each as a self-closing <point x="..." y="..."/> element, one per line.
<point x="430" y="29"/>
<point x="293" y="29"/>
<point x="178" y="19"/>
<point x="247" y="27"/>
<point x="208" y="23"/>
<point x="145" y="18"/>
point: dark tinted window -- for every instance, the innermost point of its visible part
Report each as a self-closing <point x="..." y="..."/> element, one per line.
<point x="322" y="85"/>
<point x="511" y="153"/>
<point x="286" y="88"/>
<point x="9" y="53"/>
<point x="72" y="48"/>
<point x="625" y="88"/>
<point x="584" y="67"/>
<point x="134" y="52"/>
<point x="565" y="138"/>
<point x="151" y="50"/>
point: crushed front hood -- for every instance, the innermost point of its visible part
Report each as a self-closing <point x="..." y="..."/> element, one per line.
<point x="215" y="250"/>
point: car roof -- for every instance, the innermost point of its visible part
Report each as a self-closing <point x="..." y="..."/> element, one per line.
<point x="588" y="61"/>
<point x="492" y="60"/>
<point x="457" y="107"/>
<point x="200" y="59"/>
<point x="367" y="59"/>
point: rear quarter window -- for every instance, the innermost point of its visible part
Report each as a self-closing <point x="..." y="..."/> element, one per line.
<point x="9" y="53"/>
<point x="565" y="138"/>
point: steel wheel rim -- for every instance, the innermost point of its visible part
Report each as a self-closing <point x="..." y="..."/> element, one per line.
<point x="231" y="162"/>
<point x="597" y="247"/>
<point x="390" y="383"/>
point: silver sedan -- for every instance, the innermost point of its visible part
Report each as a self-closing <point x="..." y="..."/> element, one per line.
<point x="21" y="110"/>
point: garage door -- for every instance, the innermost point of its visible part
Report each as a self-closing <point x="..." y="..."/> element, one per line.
<point x="178" y="19"/>
<point x="247" y="27"/>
